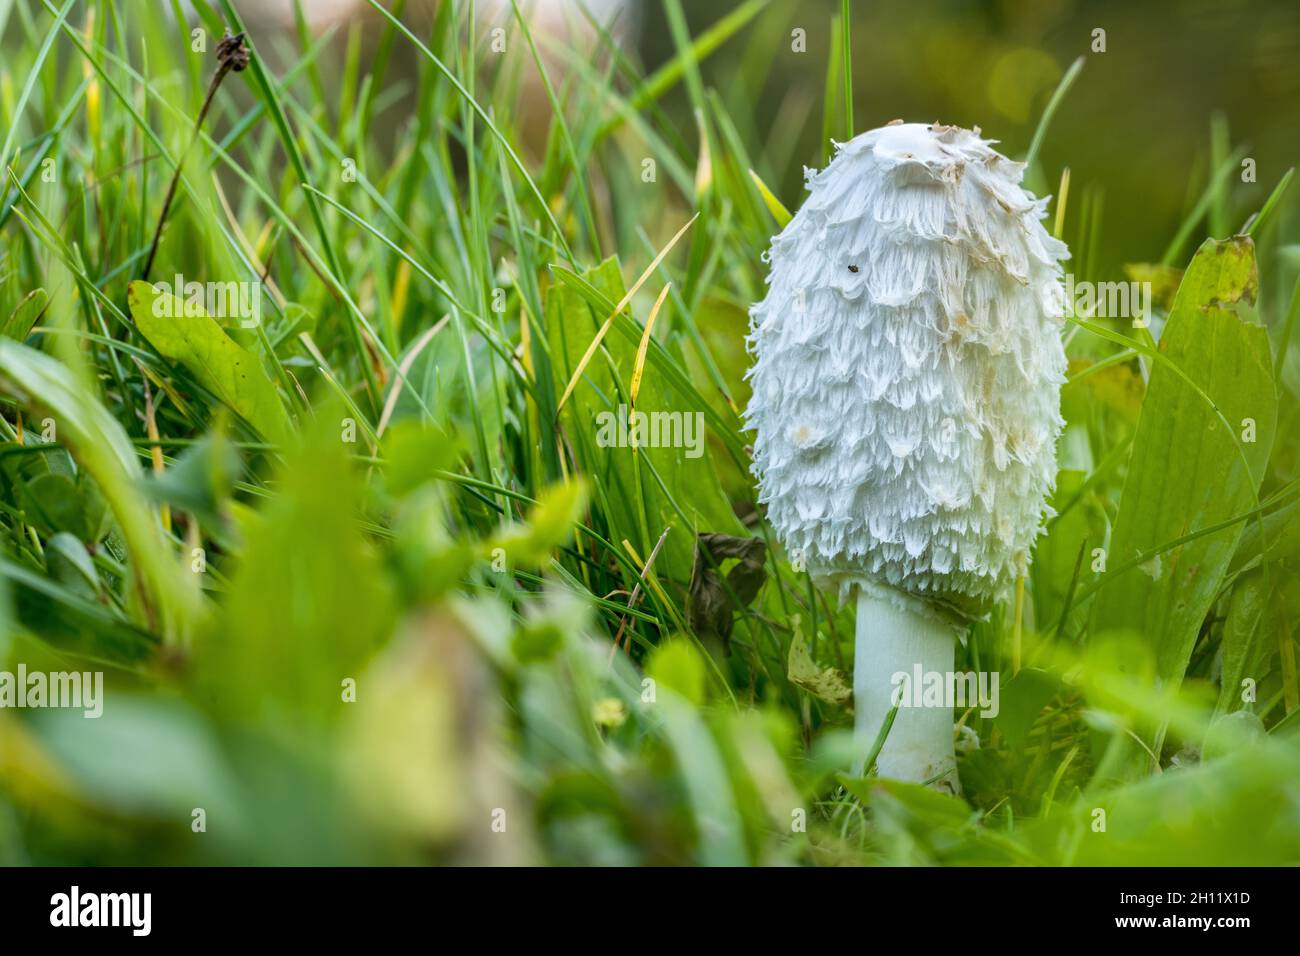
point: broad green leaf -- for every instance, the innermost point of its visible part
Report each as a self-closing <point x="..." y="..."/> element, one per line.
<point x="1186" y="471"/>
<point x="1232" y="811"/>
<point x="1247" y="638"/>
<point x="71" y="565"/>
<point x="228" y="371"/>
<point x="19" y="324"/>
<point x="308" y="603"/>
<point x="53" y="503"/>
<point x="44" y="481"/>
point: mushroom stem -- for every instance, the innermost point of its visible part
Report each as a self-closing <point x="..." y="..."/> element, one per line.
<point x="896" y="642"/>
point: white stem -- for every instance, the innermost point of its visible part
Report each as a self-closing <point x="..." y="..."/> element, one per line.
<point x="895" y="646"/>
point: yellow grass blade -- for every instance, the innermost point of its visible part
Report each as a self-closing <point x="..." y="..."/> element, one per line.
<point x="774" y="205"/>
<point x="1062" y="195"/>
<point x="639" y="368"/>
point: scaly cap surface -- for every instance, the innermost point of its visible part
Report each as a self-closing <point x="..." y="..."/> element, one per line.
<point x="908" y="365"/>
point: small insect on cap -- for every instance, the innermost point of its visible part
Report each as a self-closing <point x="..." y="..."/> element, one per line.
<point x="908" y="364"/>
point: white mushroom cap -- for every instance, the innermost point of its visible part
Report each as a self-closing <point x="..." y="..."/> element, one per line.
<point x="908" y="364"/>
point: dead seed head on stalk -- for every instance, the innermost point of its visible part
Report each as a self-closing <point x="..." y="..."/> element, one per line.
<point x="231" y="52"/>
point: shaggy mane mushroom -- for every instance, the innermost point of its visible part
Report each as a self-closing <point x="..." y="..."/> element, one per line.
<point x="906" y="403"/>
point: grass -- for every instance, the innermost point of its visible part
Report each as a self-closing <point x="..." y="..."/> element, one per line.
<point x="362" y="576"/>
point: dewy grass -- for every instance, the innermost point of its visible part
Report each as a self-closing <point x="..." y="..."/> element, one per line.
<point x="376" y="546"/>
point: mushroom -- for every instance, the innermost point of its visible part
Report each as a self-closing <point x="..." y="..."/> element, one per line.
<point x="906" y="403"/>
